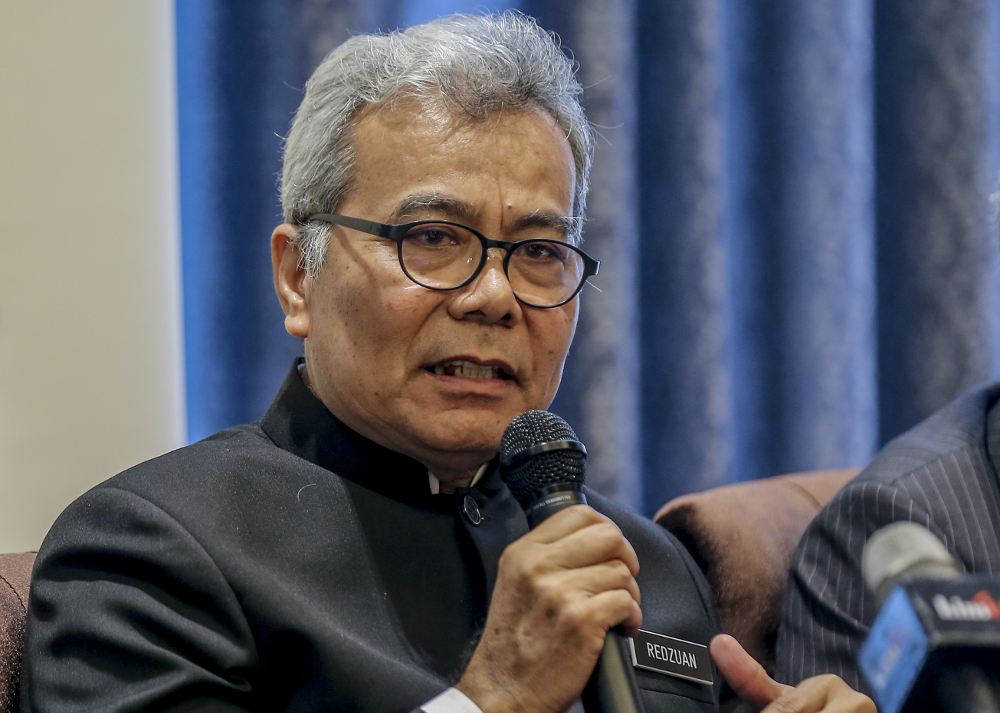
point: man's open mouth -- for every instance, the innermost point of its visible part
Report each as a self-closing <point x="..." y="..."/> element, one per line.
<point x="467" y="370"/>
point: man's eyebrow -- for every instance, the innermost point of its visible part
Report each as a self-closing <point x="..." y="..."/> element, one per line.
<point x="420" y="204"/>
<point x="568" y="226"/>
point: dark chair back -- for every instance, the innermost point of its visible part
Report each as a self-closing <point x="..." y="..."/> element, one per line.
<point x="15" y="580"/>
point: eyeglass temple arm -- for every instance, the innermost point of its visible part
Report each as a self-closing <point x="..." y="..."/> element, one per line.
<point x="365" y="226"/>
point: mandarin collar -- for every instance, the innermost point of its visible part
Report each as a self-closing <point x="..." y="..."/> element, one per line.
<point x="300" y="423"/>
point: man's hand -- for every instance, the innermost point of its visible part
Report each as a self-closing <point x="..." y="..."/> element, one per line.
<point x="751" y="683"/>
<point x="559" y="589"/>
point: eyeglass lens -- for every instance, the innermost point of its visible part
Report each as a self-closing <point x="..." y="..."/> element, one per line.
<point x="541" y="272"/>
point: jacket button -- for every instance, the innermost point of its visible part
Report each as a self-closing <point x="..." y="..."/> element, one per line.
<point x="471" y="509"/>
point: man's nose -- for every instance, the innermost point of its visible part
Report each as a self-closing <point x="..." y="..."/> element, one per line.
<point x="495" y="256"/>
<point x="490" y="297"/>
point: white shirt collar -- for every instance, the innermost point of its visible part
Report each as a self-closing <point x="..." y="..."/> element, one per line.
<point x="436" y="484"/>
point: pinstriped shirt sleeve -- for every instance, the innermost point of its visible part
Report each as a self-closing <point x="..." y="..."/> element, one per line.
<point x="827" y="609"/>
<point x="940" y="475"/>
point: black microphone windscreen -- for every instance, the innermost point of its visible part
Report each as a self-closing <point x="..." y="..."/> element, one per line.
<point x="530" y="429"/>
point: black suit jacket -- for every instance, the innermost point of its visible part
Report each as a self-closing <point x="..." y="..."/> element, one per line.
<point x="942" y="475"/>
<point x="294" y="565"/>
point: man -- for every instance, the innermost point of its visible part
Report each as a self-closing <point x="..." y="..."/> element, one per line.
<point x="942" y="475"/>
<point x="355" y="549"/>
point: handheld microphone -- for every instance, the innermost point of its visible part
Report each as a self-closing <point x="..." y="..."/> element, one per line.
<point x="935" y="644"/>
<point x="543" y="464"/>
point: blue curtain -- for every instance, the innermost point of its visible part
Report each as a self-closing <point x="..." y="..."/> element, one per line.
<point x="791" y="202"/>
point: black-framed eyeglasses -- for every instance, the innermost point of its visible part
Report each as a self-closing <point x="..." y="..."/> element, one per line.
<point x="442" y="255"/>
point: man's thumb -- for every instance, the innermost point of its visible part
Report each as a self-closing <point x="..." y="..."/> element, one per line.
<point x="747" y="677"/>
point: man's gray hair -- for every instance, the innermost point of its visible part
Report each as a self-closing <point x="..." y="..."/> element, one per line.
<point x="476" y="65"/>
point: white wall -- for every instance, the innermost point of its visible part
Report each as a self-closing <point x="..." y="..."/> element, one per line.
<point x="90" y="331"/>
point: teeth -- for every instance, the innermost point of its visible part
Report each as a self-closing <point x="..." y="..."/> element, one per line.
<point x="466" y="370"/>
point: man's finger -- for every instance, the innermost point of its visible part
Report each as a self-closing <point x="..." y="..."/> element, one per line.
<point x="827" y="693"/>
<point x="604" y="577"/>
<point x="564" y="523"/>
<point x="747" y="677"/>
<point x="596" y="543"/>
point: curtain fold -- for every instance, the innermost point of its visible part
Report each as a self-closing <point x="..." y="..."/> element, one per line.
<point x="790" y="202"/>
<point x="935" y="82"/>
<point x="802" y="222"/>
<point x="240" y="71"/>
<point x="684" y="247"/>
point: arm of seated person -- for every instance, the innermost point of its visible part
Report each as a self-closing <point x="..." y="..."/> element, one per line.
<point x="827" y="608"/>
<point x="127" y="611"/>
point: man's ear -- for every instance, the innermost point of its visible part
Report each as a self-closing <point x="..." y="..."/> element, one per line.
<point x="290" y="280"/>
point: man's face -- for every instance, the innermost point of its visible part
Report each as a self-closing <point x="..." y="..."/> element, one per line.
<point x="377" y="344"/>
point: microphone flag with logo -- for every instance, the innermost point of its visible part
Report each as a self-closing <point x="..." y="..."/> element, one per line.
<point x="935" y="645"/>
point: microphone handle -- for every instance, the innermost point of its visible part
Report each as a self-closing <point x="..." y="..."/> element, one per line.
<point x="546" y="502"/>
<point x="612" y="687"/>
